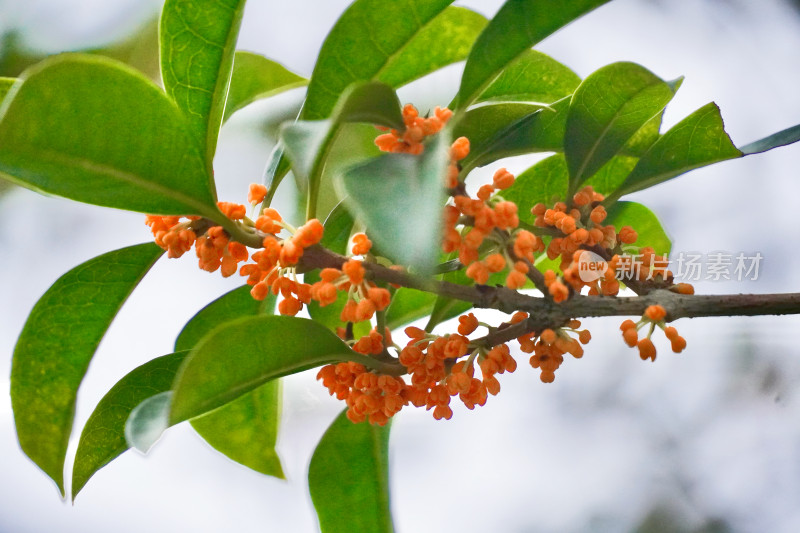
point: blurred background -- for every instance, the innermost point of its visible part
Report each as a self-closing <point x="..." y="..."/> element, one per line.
<point x="704" y="441"/>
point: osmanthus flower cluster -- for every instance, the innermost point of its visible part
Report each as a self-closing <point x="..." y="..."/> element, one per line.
<point x="486" y="236"/>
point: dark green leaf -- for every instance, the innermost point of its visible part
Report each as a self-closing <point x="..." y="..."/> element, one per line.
<point x="246" y="429"/>
<point x="399" y="198"/>
<point x="363" y="43"/>
<point x="444" y="40"/>
<point x="532" y="77"/>
<point x="103" y="437"/>
<point x="782" y="138"/>
<point x="696" y="141"/>
<point x="540" y="183"/>
<point x="137" y="154"/>
<point x="57" y="344"/>
<point x="608" y="108"/>
<point x="507" y="130"/>
<point x="408" y="305"/>
<point x="518" y="25"/>
<point x="258" y="350"/>
<point x="198" y="39"/>
<point x="255" y="77"/>
<point x="349" y="478"/>
<point x="644" y="221"/>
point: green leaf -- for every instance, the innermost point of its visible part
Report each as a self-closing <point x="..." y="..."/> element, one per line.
<point x="610" y="177"/>
<point x="532" y="77"/>
<point x="399" y="198"/>
<point x="608" y="108"/>
<point x="136" y="155"/>
<point x="696" y="141"/>
<point x="349" y="478"/>
<point x="257" y="350"/>
<point x="361" y="46"/>
<point x="255" y="77"/>
<point x="506" y="130"/>
<point x="198" y="39"/>
<point x="308" y="143"/>
<point x="444" y="40"/>
<point x="148" y="421"/>
<point x="517" y="26"/>
<point x="782" y="138"/>
<point x="5" y="86"/>
<point x="644" y="221"/>
<point x="246" y="429"/>
<point x="103" y="437"/>
<point x="408" y="305"/>
<point x="540" y="183"/>
<point x="57" y="343"/>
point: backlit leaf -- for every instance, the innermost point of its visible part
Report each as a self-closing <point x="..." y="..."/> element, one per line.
<point x="644" y="221"/>
<point x="57" y="343"/>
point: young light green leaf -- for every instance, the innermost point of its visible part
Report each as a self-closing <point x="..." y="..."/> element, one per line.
<point x="352" y="462"/>
<point x="246" y="429"/>
<point x="646" y="223"/>
<point x="137" y="154"/>
<point x="257" y="350"/>
<point x="366" y="39"/>
<point x="540" y="183"/>
<point x="532" y="77"/>
<point x="255" y="77"/>
<point x="506" y="130"/>
<point x="103" y="437"/>
<point x="608" y="108"/>
<point x="517" y="26"/>
<point x="57" y="343"/>
<point x="399" y="197"/>
<point x="776" y="140"/>
<point x="198" y="39"/>
<point x="148" y="421"/>
<point x="5" y="86"/>
<point x="446" y="39"/>
<point x="696" y="141"/>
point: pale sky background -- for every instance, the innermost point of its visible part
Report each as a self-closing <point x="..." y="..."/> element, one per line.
<point x="710" y="434"/>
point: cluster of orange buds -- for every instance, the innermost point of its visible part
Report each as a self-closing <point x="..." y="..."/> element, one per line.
<point x="653" y="316"/>
<point x="410" y="141"/>
<point x="549" y="346"/>
<point x="469" y="223"/>
<point x="171" y="234"/>
<point x="364" y="297"/>
<point x="274" y="267"/>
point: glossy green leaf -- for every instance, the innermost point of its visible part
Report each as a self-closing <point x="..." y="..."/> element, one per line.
<point x="258" y="350"/>
<point x="444" y="40"/>
<point x="540" y="183"/>
<point x="507" y="130"/>
<point x="103" y="437"/>
<point x="696" y="141"/>
<point x="255" y="77"/>
<point x="57" y="343"/>
<point x="608" y="108"/>
<point x="367" y="38"/>
<point x="399" y="197"/>
<point x="349" y="478"/>
<point x="137" y="154"/>
<point x="5" y="86"/>
<point x="408" y="305"/>
<point x="613" y="174"/>
<point x="644" y="221"/>
<point x="246" y="429"/>
<point x="198" y="40"/>
<point x="532" y="77"/>
<point x="517" y="26"/>
<point x="776" y="140"/>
